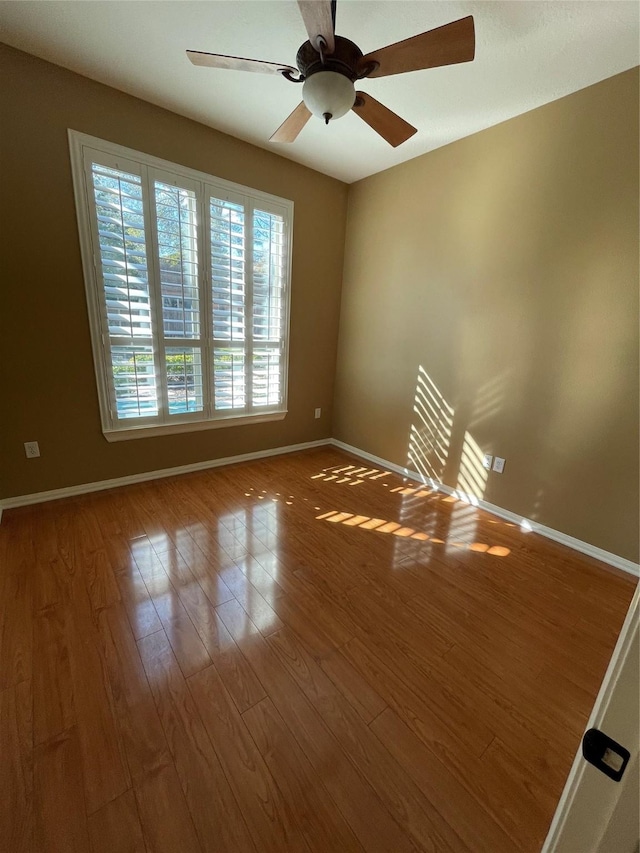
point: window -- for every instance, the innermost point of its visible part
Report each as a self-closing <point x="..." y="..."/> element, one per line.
<point x="187" y="279"/>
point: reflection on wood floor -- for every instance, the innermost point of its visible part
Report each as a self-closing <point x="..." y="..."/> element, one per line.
<point x="297" y="654"/>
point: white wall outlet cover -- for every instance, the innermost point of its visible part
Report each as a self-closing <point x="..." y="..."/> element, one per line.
<point x="317" y="413"/>
<point x="487" y="460"/>
<point x="31" y="449"/>
<point x="498" y="465"/>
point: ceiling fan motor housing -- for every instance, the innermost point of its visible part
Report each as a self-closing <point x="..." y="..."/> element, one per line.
<point x="344" y="59"/>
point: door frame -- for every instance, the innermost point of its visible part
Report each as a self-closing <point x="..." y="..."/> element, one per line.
<point x="569" y="798"/>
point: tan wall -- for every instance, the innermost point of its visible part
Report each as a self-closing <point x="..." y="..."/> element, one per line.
<point x="506" y="267"/>
<point x="47" y="388"/>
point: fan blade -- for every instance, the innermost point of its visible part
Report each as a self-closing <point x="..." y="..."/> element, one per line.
<point x="385" y="122"/>
<point x="237" y="63"/>
<point x="318" y="18"/>
<point x="292" y="125"/>
<point x="447" y="45"/>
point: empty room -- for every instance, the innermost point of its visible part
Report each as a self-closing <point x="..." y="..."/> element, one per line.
<point x="319" y="430"/>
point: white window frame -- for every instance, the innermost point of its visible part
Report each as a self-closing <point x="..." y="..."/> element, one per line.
<point x="115" y="429"/>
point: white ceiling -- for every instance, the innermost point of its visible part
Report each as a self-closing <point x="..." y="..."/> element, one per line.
<point x="527" y="54"/>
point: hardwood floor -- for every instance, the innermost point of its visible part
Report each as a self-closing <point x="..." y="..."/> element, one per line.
<point x="296" y="654"/>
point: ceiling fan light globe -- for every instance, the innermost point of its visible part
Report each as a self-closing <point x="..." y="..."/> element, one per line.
<point x="328" y="93"/>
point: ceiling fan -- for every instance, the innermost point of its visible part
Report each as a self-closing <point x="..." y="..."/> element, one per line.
<point x="329" y="65"/>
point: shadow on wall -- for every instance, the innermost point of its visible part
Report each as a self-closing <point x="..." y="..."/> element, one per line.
<point x="430" y="434"/>
<point x="441" y="450"/>
<point x="440" y="447"/>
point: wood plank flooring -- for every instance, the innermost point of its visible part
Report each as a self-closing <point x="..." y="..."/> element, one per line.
<point x="297" y="654"/>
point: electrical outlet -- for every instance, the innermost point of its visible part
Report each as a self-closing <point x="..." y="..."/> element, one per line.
<point x="486" y="462"/>
<point x="31" y="449"/>
<point x="318" y="412"/>
<point x="498" y="465"/>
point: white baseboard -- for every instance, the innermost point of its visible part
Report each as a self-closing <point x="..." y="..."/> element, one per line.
<point x="526" y="523"/>
<point x="85" y="488"/>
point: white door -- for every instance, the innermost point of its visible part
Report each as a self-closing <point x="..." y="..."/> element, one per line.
<point x="596" y="814"/>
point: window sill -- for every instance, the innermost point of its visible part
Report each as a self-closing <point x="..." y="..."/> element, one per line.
<point x="146" y="431"/>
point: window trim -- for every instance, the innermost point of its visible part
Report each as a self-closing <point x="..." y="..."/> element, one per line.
<point x="227" y="190"/>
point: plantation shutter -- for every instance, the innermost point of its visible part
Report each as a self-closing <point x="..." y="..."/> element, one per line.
<point x="269" y="258"/>
<point x="179" y="297"/>
<point x="187" y="287"/>
<point x="227" y="225"/>
<point x="119" y="223"/>
<point x="249" y="255"/>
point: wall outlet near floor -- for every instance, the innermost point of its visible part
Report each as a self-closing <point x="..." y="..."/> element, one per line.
<point x="487" y="460"/>
<point x="317" y="413"/>
<point x="31" y="449"/>
<point x="498" y="465"/>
